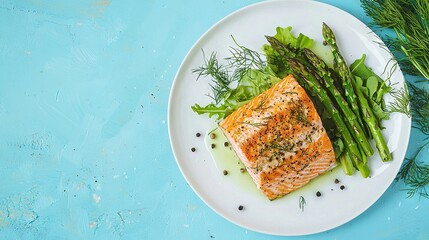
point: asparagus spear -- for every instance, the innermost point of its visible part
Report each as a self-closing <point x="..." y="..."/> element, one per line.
<point x="350" y="117"/>
<point x="346" y="163"/>
<point x="315" y="87"/>
<point x="360" y="165"/>
<point x="343" y="70"/>
<point x="372" y="124"/>
<point x="346" y="160"/>
<point x="280" y="47"/>
<point x="311" y="83"/>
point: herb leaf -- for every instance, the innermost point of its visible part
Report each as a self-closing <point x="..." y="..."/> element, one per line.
<point x="401" y="101"/>
<point x="415" y="175"/>
<point x="242" y="76"/>
<point x="219" y="73"/>
<point x="410" y="23"/>
<point x="302" y="203"/>
<point x="420" y="108"/>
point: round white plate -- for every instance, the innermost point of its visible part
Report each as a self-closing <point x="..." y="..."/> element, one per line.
<point x="282" y="216"/>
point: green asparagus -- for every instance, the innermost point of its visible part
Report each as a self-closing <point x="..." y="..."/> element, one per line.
<point x="346" y="163"/>
<point x="343" y="70"/>
<point x="371" y="122"/>
<point x="350" y="117"/>
<point x="351" y="147"/>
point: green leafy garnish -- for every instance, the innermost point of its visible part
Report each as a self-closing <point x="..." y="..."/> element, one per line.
<point x="413" y="172"/>
<point x="285" y="36"/>
<point x="220" y="74"/>
<point x="213" y="110"/>
<point x="243" y="76"/>
<point x="373" y="87"/>
<point x="401" y="101"/>
<point x="302" y="203"/>
<point x="420" y="108"/>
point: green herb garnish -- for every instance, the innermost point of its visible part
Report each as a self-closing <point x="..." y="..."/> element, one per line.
<point x="420" y="108"/>
<point x="410" y="23"/>
<point x="255" y="124"/>
<point x="401" y="101"/>
<point x="301" y="203"/>
<point x="414" y="173"/>
<point x="243" y="75"/>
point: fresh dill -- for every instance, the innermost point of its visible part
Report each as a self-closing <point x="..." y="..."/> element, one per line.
<point x="245" y="58"/>
<point x="302" y="203"/>
<point x="300" y="115"/>
<point x="262" y="103"/>
<point x="410" y="23"/>
<point x="420" y="108"/>
<point x="415" y="175"/>
<point x="212" y="131"/>
<point x="254" y="124"/>
<point x="289" y="93"/>
<point x="401" y="101"/>
<point x="235" y="80"/>
<point x="220" y="74"/>
<point x="287" y="147"/>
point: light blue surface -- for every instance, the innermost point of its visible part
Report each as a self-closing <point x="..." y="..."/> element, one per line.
<point x="84" y="147"/>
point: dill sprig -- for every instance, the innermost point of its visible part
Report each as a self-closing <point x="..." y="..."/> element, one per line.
<point x="401" y="101"/>
<point x="286" y="146"/>
<point x="262" y="103"/>
<point x="254" y="124"/>
<point x="235" y="69"/>
<point x="245" y="58"/>
<point x="301" y="114"/>
<point x="415" y="175"/>
<point x="220" y="75"/>
<point x="420" y="108"/>
<point x="410" y="23"/>
<point x="302" y="203"/>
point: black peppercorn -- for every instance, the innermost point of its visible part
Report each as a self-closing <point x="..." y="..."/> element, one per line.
<point x="240" y="207"/>
<point x="342" y="187"/>
<point x="318" y="194"/>
<point x="193" y="149"/>
<point x="198" y="134"/>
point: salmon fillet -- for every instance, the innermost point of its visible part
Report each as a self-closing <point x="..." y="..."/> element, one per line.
<point x="280" y="139"/>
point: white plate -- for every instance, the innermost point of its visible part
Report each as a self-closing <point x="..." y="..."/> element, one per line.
<point x="282" y="216"/>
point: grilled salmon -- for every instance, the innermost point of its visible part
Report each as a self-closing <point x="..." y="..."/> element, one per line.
<point x="280" y="139"/>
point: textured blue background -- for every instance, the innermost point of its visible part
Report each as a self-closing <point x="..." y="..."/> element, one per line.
<point x="84" y="148"/>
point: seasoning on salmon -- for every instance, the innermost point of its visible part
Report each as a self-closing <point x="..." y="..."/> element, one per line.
<point x="280" y="139"/>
